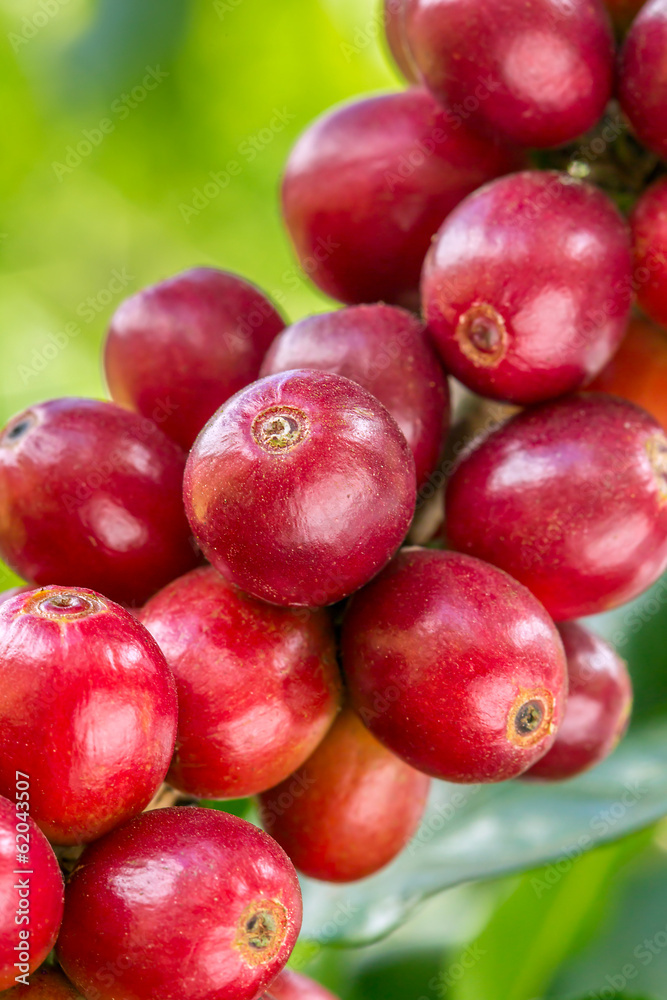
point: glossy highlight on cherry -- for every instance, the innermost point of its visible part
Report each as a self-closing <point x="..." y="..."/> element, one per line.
<point x="367" y="185"/>
<point x="474" y="665"/>
<point x="570" y="498"/>
<point x="91" y="495"/>
<point x="219" y="924"/>
<point x="388" y="352"/>
<point x="301" y="488"/>
<point x="527" y="286"/>
<point x="236" y="658"/>
<point x="91" y="680"/>
<point x="177" y="350"/>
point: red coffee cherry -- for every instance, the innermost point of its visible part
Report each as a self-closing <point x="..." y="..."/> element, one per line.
<point x="350" y="809"/>
<point x="385" y="350"/>
<point x="455" y="667"/>
<point x="536" y="75"/>
<point x="649" y="233"/>
<point x="367" y="185"/>
<point x="301" y="488"/>
<point x="91" y="496"/>
<point x="293" y="986"/>
<point x="186" y="902"/>
<point x="177" y="350"/>
<point x="642" y="87"/>
<point x="527" y="286"/>
<point x="258" y="686"/>
<point x="570" y="498"/>
<point x="89" y="679"/>
<point x="598" y="706"/>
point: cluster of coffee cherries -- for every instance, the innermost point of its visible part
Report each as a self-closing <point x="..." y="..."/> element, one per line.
<point x="223" y="595"/>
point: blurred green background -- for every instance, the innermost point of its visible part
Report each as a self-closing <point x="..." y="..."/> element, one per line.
<point x="141" y="137"/>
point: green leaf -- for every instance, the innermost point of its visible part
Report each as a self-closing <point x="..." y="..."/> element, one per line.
<point x="485" y="832"/>
<point x="538" y="927"/>
<point x="631" y="953"/>
<point x="7" y="578"/>
<point x="243" y="808"/>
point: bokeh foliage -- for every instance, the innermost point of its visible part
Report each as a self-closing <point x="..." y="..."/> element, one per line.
<point x="239" y="80"/>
